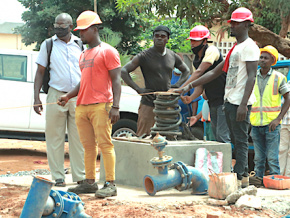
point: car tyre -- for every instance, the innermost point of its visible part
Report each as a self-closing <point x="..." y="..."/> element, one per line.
<point x="123" y="127"/>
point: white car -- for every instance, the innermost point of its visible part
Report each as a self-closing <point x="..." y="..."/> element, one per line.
<point x="17" y="116"/>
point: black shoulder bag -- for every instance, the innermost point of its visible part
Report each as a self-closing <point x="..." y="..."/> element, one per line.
<point x="46" y="76"/>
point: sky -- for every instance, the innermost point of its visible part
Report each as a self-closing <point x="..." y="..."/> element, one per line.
<point x="11" y="11"/>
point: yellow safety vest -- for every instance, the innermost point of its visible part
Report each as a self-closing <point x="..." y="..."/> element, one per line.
<point x="267" y="108"/>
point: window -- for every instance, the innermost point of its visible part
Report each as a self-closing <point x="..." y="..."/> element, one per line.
<point x="13" y="67"/>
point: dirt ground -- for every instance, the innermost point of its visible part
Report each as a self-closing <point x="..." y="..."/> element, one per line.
<point x="12" y="198"/>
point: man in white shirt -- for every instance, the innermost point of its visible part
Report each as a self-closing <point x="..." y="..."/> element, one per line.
<point x="64" y="76"/>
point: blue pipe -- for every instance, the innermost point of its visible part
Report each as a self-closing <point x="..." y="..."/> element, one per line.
<point x="199" y="182"/>
<point x="42" y="202"/>
<point x="37" y="197"/>
<point x="181" y="177"/>
<point x="156" y="183"/>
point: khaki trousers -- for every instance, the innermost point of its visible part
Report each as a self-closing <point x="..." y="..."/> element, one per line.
<point x="145" y="119"/>
<point x="284" y="150"/>
<point x="58" y="119"/>
<point x="95" y="129"/>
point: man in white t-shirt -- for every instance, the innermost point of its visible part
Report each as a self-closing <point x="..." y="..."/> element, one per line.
<point x="241" y="67"/>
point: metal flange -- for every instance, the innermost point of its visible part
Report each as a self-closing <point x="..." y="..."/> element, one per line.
<point x="59" y="205"/>
<point x="157" y="162"/>
<point x="185" y="175"/>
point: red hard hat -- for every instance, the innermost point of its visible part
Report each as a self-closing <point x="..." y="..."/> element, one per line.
<point x="241" y="14"/>
<point x="198" y="33"/>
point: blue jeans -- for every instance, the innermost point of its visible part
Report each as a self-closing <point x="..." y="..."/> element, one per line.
<point x="219" y="124"/>
<point x="239" y="138"/>
<point x="266" y="145"/>
<point x="208" y="131"/>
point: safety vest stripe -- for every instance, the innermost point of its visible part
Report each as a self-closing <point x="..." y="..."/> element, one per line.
<point x="266" y="109"/>
<point x="275" y="85"/>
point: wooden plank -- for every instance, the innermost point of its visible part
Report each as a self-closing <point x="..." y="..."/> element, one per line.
<point x="166" y="93"/>
<point x="134" y="139"/>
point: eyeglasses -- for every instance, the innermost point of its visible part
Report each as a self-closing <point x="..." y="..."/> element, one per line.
<point x="162" y="36"/>
<point x="63" y="25"/>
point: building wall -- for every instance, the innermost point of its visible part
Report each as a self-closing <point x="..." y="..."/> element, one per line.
<point x="13" y="41"/>
<point x="226" y="42"/>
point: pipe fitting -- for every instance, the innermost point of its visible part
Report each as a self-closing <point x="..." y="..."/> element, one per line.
<point x="37" y="197"/>
<point x="180" y="176"/>
<point x="46" y="203"/>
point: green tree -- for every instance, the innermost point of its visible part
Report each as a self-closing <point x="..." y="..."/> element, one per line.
<point x="179" y="33"/>
<point x="114" y="40"/>
<point x="282" y="9"/>
<point x="203" y="11"/>
<point x="40" y="17"/>
<point x="268" y="18"/>
<point x="209" y="11"/>
<point x="129" y="24"/>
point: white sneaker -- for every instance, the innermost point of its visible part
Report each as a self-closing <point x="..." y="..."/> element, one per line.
<point x="245" y="182"/>
<point x="239" y="184"/>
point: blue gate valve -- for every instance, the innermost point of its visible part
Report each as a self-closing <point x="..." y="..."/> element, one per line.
<point x="43" y="202"/>
<point x="178" y="175"/>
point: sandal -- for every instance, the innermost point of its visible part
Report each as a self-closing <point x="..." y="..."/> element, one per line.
<point x="59" y="183"/>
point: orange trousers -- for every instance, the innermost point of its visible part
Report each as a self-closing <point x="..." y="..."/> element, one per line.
<point x="94" y="127"/>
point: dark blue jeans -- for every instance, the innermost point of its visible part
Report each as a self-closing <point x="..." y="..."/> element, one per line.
<point x="239" y="138"/>
<point x="219" y="124"/>
<point x="266" y="145"/>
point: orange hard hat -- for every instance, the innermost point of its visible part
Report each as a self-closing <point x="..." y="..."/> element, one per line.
<point x="241" y="14"/>
<point x="87" y="19"/>
<point x="198" y="33"/>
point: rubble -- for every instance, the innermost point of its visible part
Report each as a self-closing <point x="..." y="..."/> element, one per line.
<point x="227" y="207"/>
<point x="217" y="202"/>
<point x="280" y="205"/>
<point x="214" y="215"/>
<point x="188" y="203"/>
<point x="233" y="197"/>
<point x="27" y="173"/>
<point x="250" y="201"/>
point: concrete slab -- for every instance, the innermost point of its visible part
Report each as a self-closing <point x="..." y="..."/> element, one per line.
<point x="133" y="158"/>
